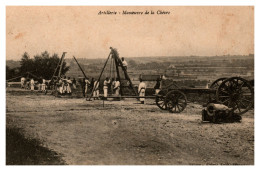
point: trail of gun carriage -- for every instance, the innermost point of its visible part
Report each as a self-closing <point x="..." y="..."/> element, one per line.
<point x="130" y="111"/>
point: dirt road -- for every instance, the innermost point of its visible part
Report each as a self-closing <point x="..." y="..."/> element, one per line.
<point x="126" y="133"/>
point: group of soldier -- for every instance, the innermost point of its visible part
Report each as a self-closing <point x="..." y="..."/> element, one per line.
<point x="64" y="85"/>
<point x="30" y="84"/>
<point x="109" y="85"/>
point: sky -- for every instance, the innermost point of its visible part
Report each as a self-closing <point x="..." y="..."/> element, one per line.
<point x="80" y="31"/>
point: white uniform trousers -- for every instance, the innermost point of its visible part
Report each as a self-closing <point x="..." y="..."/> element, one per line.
<point x="32" y="87"/>
<point x="96" y="93"/>
<point x="68" y="88"/>
<point x="105" y="91"/>
<point x="142" y="94"/>
<point x="43" y="87"/>
<point x="117" y="91"/>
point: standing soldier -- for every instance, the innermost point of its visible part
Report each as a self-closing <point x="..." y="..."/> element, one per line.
<point x="124" y="66"/>
<point x="141" y="90"/>
<point x="105" y="86"/>
<point x="96" y="89"/>
<point x="22" y="82"/>
<point x="124" y="63"/>
<point x="64" y="84"/>
<point x="157" y="86"/>
<point x="43" y="85"/>
<point x="117" y="87"/>
<point x="60" y="86"/>
<point x="87" y="84"/>
<point x="68" y="87"/>
<point x="32" y="84"/>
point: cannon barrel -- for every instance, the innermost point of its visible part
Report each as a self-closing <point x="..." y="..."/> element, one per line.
<point x="212" y="108"/>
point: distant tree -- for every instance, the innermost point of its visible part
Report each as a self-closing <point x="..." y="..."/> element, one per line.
<point x="26" y="64"/>
<point x="42" y="65"/>
<point x="12" y="72"/>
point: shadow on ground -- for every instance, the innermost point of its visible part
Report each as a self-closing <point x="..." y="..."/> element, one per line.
<point x="23" y="151"/>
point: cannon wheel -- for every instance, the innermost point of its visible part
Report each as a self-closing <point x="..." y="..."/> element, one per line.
<point x="176" y="101"/>
<point x="236" y="93"/>
<point x="217" y="83"/>
<point x="160" y="100"/>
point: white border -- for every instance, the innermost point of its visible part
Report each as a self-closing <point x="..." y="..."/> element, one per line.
<point x="5" y="3"/>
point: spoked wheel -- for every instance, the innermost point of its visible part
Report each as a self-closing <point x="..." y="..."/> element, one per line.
<point x="176" y="101"/>
<point x="160" y="100"/>
<point x="236" y="93"/>
<point x="217" y="83"/>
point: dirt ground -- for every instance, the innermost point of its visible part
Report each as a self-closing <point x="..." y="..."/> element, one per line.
<point x="128" y="133"/>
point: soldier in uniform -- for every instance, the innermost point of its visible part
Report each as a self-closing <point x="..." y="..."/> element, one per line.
<point x="87" y="84"/>
<point x="96" y="89"/>
<point x="117" y="87"/>
<point x="43" y="85"/>
<point x="124" y="63"/>
<point x="68" y="87"/>
<point x="157" y="86"/>
<point x="22" y="82"/>
<point x="32" y="84"/>
<point x="141" y="90"/>
<point x="105" y="86"/>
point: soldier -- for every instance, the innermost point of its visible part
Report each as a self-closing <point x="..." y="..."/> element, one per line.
<point x="64" y="84"/>
<point x="60" y="86"/>
<point x="105" y="86"/>
<point x="96" y="89"/>
<point x="124" y="63"/>
<point x="157" y="86"/>
<point x="68" y="86"/>
<point x="87" y="84"/>
<point x="22" y="82"/>
<point x="141" y="90"/>
<point x="117" y="87"/>
<point x="43" y="85"/>
<point x="32" y="84"/>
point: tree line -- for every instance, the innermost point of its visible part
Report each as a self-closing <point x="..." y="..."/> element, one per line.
<point x="42" y="65"/>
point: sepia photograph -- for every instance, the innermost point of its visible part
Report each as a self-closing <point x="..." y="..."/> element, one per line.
<point x="130" y="85"/>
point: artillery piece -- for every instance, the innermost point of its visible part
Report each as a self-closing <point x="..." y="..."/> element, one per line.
<point x="217" y="113"/>
<point x="235" y="93"/>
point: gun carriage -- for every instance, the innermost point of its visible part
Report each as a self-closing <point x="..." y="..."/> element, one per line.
<point x="235" y="93"/>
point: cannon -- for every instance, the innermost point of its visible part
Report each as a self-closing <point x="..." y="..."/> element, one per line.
<point x="217" y="113"/>
<point x="236" y="93"/>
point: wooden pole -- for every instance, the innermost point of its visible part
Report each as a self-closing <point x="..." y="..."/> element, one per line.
<point x="63" y="55"/>
<point x="61" y="65"/>
<point x="80" y="67"/>
<point x="118" y="74"/>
